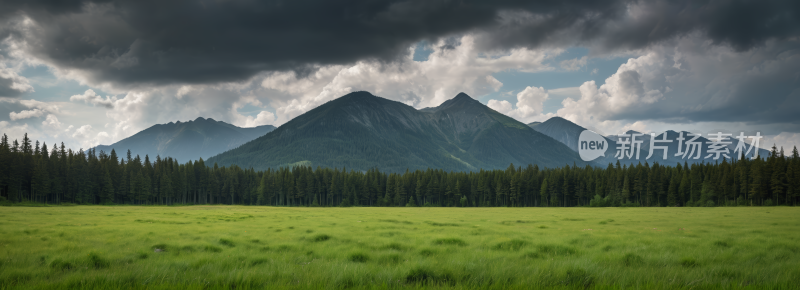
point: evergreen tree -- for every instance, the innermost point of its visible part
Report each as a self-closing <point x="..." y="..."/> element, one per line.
<point x="684" y="188"/>
<point x="626" y="192"/>
<point x="755" y="181"/>
<point x="108" y="189"/>
<point x="543" y="192"/>
<point x="400" y="197"/>
<point x="166" y="188"/>
<point x="672" y="194"/>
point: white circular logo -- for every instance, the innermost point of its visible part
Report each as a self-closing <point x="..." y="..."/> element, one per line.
<point x="591" y="145"/>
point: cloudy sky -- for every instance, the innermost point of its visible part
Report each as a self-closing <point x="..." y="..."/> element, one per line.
<point x="95" y="72"/>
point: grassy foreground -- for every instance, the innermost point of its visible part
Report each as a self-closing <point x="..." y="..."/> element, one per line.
<point x="333" y="248"/>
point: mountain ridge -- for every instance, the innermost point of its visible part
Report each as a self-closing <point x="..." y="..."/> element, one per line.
<point x="180" y="140"/>
<point x="362" y="131"/>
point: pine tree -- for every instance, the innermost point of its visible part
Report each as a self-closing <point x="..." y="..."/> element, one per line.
<point x="755" y="181"/>
<point x="166" y="186"/>
<point x="684" y="188"/>
<point x="626" y="191"/>
<point x="108" y="189"/>
<point x="316" y="201"/>
<point x="543" y="192"/>
<point x="262" y="189"/>
<point x="672" y="194"/>
<point x="401" y="198"/>
<point x="792" y="184"/>
<point x="777" y="178"/>
<point x="500" y="192"/>
<point x="419" y="191"/>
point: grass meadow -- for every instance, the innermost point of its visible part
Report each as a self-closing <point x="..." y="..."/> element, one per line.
<point x="240" y="247"/>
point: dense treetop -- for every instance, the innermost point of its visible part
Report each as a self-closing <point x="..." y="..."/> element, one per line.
<point x="35" y="172"/>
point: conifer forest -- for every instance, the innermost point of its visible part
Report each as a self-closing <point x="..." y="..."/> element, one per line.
<point x="38" y="173"/>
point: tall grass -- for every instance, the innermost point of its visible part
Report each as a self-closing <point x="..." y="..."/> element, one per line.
<point x="236" y="247"/>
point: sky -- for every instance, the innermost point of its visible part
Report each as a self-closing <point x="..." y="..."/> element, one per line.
<point x="95" y="72"/>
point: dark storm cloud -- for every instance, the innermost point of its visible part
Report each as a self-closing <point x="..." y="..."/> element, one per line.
<point x="157" y="42"/>
<point x="6" y="90"/>
<point x="637" y="24"/>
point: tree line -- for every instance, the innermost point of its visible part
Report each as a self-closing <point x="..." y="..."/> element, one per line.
<point x="57" y="175"/>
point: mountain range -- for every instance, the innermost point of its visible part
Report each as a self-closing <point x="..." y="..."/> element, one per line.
<point x="360" y="131"/>
<point x="568" y="133"/>
<point x="185" y="141"/>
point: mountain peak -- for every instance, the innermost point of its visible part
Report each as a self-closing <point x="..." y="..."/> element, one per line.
<point x="561" y="122"/>
<point x="562" y="130"/>
<point x="358" y="95"/>
<point x="462" y="96"/>
<point x="461" y="101"/>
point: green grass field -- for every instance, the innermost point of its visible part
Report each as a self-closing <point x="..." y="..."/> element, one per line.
<point x="208" y="247"/>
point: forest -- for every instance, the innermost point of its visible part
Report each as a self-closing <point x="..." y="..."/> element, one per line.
<point x="35" y="173"/>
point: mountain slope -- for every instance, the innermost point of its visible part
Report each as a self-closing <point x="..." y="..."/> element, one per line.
<point x="360" y="131"/>
<point x="184" y="141"/>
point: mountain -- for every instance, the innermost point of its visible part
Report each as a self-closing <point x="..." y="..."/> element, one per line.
<point x="568" y="133"/>
<point x="533" y="124"/>
<point x="184" y="141"/>
<point x="360" y="131"/>
<point x="562" y="130"/>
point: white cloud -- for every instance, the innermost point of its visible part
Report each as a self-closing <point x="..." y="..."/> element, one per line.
<point x="89" y="138"/>
<point x="48" y="107"/>
<point x="263" y="118"/>
<point x="637" y="126"/>
<point x="635" y="85"/>
<point x="574" y="64"/>
<point x="13" y="131"/>
<point x="52" y="126"/>
<point x="529" y="106"/>
<point x="691" y="80"/>
<point x="444" y="74"/>
<point x="37" y="108"/>
<point x="90" y="97"/>
<point x="501" y="106"/>
<point x="82" y="132"/>
<point x="14" y="84"/>
<point x="787" y="140"/>
<point x="52" y="122"/>
<point x="24" y="114"/>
